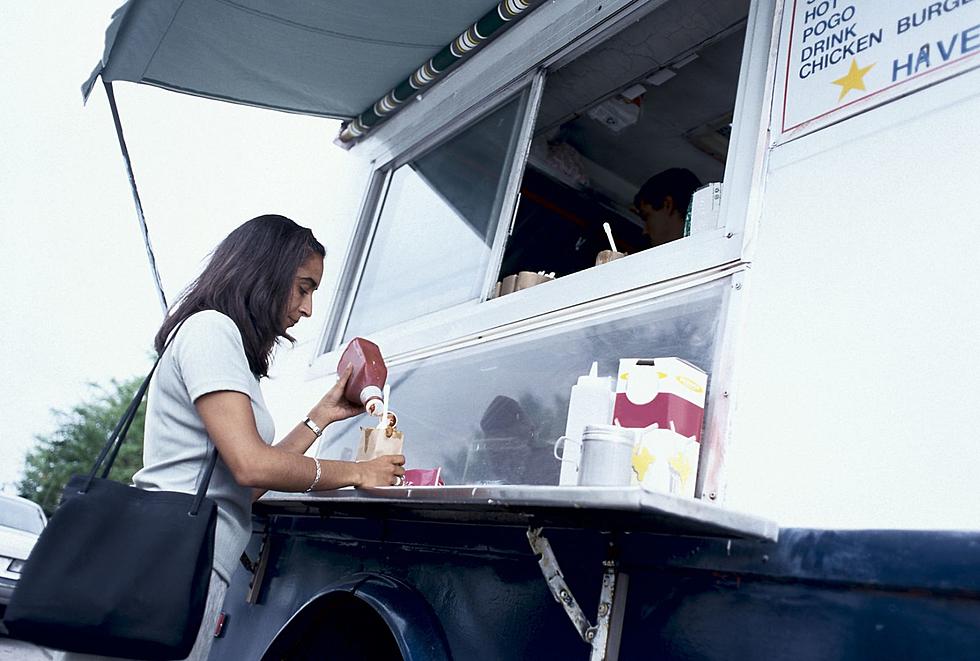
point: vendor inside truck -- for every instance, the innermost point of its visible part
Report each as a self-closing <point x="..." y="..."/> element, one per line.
<point x="663" y="203"/>
<point x="610" y="119"/>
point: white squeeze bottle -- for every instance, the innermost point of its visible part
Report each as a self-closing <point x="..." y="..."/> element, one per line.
<point x="591" y="403"/>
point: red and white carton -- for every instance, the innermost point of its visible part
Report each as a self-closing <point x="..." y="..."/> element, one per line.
<point x="668" y="392"/>
<point x="665" y="397"/>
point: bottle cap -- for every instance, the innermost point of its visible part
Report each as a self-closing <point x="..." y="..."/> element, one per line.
<point x="592" y="376"/>
<point x="371" y="399"/>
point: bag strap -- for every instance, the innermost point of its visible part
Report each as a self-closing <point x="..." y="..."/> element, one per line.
<point x="202" y="489"/>
<point x="118" y="436"/>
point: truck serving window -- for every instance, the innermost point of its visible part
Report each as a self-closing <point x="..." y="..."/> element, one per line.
<point x="657" y="97"/>
<point x="432" y="243"/>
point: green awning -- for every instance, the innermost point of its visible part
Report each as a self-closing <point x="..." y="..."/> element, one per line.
<point x="336" y="58"/>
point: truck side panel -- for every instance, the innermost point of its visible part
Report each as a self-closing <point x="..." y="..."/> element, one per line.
<point x="859" y="356"/>
<point x="814" y="595"/>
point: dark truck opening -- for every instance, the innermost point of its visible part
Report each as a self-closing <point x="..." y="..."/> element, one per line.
<point x="659" y="94"/>
<point x="337" y="626"/>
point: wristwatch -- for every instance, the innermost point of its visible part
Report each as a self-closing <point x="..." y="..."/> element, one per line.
<point x="315" y="428"/>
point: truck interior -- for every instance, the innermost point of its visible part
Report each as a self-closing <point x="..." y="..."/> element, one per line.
<point x="659" y="94"/>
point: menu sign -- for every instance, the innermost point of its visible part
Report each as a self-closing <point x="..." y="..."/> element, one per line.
<point x="845" y="56"/>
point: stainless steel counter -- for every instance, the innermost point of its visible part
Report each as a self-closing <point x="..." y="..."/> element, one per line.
<point x="604" y="508"/>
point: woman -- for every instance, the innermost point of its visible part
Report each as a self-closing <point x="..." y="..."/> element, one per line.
<point x="258" y="283"/>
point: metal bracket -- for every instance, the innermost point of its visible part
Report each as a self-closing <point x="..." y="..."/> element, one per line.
<point x="258" y="576"/>
<point x="605" y="635"/>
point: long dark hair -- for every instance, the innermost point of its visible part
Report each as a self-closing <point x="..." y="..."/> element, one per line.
<point x="249" y="278"/>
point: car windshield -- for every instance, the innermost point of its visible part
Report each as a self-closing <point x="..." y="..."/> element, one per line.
<point x="15" y="514"/>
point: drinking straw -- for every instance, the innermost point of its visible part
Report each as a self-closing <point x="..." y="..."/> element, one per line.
<point x="612" y="244"/>
<point x="385" y="393"/>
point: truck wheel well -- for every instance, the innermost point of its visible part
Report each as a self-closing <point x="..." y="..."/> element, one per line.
<point x="337" y="625"/>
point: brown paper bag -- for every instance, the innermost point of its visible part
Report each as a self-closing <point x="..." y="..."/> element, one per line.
<point x="377" y="442"/>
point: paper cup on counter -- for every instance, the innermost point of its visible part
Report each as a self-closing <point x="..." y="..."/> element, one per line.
<point x="527" y="279"/>
<point x="606" y="256"/>
<point x="508" y="285"/>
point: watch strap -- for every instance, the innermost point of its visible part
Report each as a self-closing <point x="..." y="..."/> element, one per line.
<point x="315" y="428"/>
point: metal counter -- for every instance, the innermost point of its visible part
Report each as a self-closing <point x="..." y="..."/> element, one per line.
<point x="604" y="508"/>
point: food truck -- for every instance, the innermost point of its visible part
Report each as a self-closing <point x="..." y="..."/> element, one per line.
<point x="823" y="288"/>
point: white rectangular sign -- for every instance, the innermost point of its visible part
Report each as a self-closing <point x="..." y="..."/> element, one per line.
<point x="842" y="57"/>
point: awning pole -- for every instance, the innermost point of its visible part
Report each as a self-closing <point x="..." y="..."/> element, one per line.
<point x="136" y="198"/>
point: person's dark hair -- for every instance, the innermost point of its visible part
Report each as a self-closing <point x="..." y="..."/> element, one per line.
<point x="249" y="278"/>
<point x="679" y="183"/>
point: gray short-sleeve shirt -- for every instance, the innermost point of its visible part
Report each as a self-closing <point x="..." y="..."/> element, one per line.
<point x="205" y="356"/>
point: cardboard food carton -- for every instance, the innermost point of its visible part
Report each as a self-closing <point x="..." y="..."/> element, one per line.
<point x="424" y="477"/>
<point x="666" y="462"/>
<point x="378" y="441"/>
<point x="665" y="397"/>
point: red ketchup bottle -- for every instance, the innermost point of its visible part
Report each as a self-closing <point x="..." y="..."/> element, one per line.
<point x="369" y="375"/>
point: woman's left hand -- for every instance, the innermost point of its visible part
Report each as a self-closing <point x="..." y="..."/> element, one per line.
<point x="333" y="406"/>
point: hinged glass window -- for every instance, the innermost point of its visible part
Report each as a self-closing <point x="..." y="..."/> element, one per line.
<point x="433" y="241"/>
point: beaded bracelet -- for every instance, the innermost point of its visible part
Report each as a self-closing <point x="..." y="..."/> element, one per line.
<point x="316" y="480"/>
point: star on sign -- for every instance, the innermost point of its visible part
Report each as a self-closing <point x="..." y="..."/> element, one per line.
<point x="854" y="80"/>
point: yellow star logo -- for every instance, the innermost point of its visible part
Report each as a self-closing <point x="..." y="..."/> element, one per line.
<point x="641" y="462"/>
<point x="680" y="466"/>
<point x="854" y="80"/>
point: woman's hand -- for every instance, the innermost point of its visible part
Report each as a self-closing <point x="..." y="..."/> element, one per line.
<point x="384" y="471"/>
<point x="333" y="406"/>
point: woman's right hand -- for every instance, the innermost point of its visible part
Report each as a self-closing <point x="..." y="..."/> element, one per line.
<point x="383" y="471"/>
<point x="333" y="406"/>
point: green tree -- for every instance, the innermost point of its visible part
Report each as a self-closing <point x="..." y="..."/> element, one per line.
<point x="75" y="444"/>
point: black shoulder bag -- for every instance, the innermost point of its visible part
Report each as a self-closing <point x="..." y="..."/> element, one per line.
<point x="119" y="571"/>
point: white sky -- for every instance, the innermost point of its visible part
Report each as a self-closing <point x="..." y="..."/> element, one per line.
<point x="78" y="304"/>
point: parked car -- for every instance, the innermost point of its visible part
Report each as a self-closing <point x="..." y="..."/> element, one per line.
<point x="21" y="523"/>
